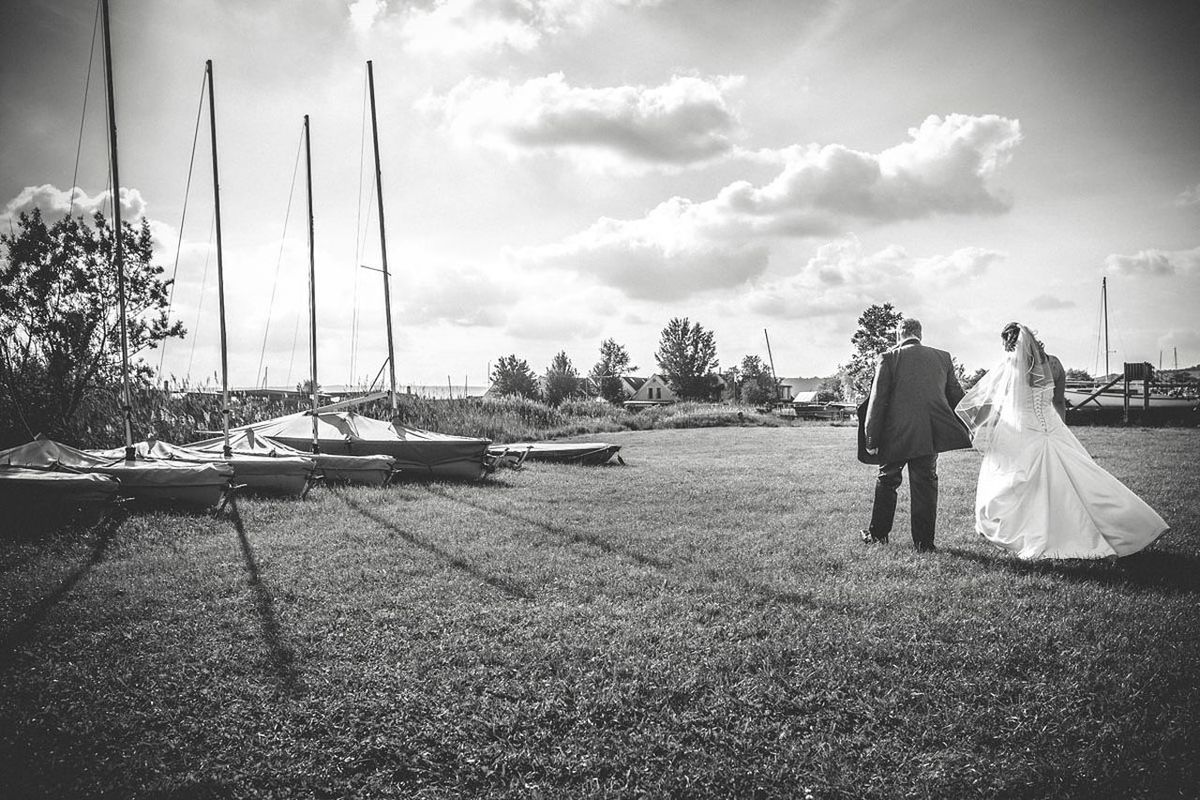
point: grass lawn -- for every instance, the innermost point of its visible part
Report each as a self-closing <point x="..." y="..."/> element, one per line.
<point x="701" y="622"/>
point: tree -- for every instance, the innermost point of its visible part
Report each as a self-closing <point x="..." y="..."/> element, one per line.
<point x="512" y="376"/>
<point x="876" y="333"/>
<point x="1078" y="375"/>
<point x="607" y="372"/>
<point x="972" y="379"/>
<point x="757" y="382"/>
<point x="562" y="379"/>
<point x="830" y="389"/>
<point x="687" y="358"/>
<point x="60" y="346"/>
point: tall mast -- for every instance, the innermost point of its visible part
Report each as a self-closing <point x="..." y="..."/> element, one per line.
<point x="118" y="250"/>
<point x="1104" y="311"/>
<point x="312" y="289"/>
<point x="387" y="295"/>
<point x="212" y="121"/>
<point x="771" y="359"/>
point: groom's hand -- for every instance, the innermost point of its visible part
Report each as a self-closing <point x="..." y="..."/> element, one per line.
<point x="872" y="451"/>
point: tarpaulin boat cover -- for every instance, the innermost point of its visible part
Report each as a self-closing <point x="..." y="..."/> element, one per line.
<point x="418" y="453"/>
<point x="587" y="453"/>
<point x="286" y="474"/>
<point x="29" y="486"/>
<point x="193" y="484"/>
<point x="374" y="470"/>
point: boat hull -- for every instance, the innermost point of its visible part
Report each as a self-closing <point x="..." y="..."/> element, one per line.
<point x="436" y="459"/>
<point x="583" y="453"/>
<point x="1077" y="397"/>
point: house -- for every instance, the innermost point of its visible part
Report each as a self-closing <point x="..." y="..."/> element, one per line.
<point x="791" y="388"/>
<point x="653" y="391"/>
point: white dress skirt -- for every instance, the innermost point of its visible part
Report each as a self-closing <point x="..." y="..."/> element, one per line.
<point x="1041" y="495"/>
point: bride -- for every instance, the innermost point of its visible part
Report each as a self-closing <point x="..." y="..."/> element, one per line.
<point x="1040" y="494"/>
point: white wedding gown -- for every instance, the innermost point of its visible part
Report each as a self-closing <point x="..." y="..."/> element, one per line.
<point x="1040" y="494"/>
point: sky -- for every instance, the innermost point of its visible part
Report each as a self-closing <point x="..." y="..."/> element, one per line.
<point x="560" y="172"/>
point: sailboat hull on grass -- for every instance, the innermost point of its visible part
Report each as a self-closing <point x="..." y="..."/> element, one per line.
<point x="418" y="453"/>
<point x="286" y="475"/>
<point x="375" y="470"/>
<point x="197" y="486"/>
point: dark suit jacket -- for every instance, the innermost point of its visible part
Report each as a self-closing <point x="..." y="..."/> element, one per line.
<point x="911" y="409"/>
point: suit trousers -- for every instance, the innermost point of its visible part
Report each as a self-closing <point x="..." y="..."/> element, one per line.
<point x="923" y="482"/>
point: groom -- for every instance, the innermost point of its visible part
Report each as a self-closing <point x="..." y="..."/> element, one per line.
<point x="910" y="419"/>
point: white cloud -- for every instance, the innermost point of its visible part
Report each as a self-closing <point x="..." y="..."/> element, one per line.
<point x="1156" y="263"/>
<point x="459" y="296"/>
<point x="364" y="14"/>
<point x="1189" y="197"/>
<point x="685" y="120"/>
<point x="457" y="27"/>
<point x="841" y="279"/>
<point x="682" y="247"/>
<point x="1046" y="302"/>
<point x="56" y="203"/>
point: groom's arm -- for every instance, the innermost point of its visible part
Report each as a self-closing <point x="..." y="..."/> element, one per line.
<point x="954" y="390"/>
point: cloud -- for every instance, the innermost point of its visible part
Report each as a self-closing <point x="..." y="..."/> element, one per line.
<point x="459" y="296"/>
<point x="841" y="279"/>
<point x="682" y="247"/>
<point x="1156" y="263"/>
<point x="683" y="121"/>
<point x="56" y="203"/>
<point x="1046" y="302"/>
<point x="459" y="27"/>
<point x="1189" y="197"/>
<point x="365" y="13"/>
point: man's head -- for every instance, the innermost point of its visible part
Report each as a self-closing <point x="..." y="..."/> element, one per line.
<point x="909" y="329"/>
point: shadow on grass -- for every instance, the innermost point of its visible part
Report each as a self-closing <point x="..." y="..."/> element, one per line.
<point x="23" y="629"/>
<point x="508" y="587"/>
<point x="280" y="655"/>
<point x="1155" y="570"/>
<point x="575" y="537"/>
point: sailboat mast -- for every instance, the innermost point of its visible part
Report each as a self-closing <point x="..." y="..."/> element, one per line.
<point x="118" y="250"/>
<point x="771" y="359"/>
<point x="387" y="296"/>
<point x="312" y="289"/>
<point x="1104" y="311"/>
<point x="212" y="121"/>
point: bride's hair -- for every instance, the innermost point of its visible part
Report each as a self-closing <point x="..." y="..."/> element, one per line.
<point x="1009" y="335"/>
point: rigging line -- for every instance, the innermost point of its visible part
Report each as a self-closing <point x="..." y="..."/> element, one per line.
<point x="183" y="216"/>
<point x="200" y="304"/>
<point x="279" y="261"/>
<point x="83" y="114"/>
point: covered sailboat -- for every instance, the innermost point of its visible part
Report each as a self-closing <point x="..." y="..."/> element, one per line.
<point x="288" y="475"/>
<point x="190" y="484"/>
<point x="365" y="470"/>
<point x="418" y="453"/>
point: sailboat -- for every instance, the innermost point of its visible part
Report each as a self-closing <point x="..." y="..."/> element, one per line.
<point x="282" y="474"/>
<point x="140" y="479"/>
<point x="417" y="453"/>
<point x="1109" y="394"/>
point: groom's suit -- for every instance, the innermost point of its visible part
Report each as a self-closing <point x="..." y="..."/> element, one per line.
<point x="910" y="419"/>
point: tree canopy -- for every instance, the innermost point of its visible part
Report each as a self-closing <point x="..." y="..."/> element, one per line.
<point x="614" y="362"/>
<point x="60" y="348"/>
<point x="562" y="379"/>
<point x="687" y="359"/>
<point x="876" y="333"/>
<point x="757" y="382"/>
<point x="512" y="376"/>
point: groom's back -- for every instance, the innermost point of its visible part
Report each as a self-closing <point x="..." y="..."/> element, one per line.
<point x="911" y="413"/>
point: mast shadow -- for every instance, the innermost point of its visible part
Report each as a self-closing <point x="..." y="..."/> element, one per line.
<point x="22" y="630"/>
<point x="504" y="585"/>
<point x="573" y="537"/>
<point x="280" y="655"/>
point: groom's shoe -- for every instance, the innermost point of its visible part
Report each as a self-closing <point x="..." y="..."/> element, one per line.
<point x="924" y="547"/>
<point x="868" y="538"/>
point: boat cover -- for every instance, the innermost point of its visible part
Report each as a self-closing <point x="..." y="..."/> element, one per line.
<point x="262" y="473"/>
<point x="29" y="486"/>
<point x="167" y="481"/>
<point x="418" y="453"/>
<point x="587" y="453"/>
<point x="368" y="470"/>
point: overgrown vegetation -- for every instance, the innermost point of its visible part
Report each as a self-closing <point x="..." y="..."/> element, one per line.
<point x="701" y="622"/>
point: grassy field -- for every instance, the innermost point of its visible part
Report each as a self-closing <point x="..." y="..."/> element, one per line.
<point x="701" y="622"/>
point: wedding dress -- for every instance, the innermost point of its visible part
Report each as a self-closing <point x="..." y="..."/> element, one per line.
<point x="1040" y="494"/>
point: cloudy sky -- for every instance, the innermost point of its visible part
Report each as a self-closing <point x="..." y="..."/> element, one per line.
<point x="559" y="172"/>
